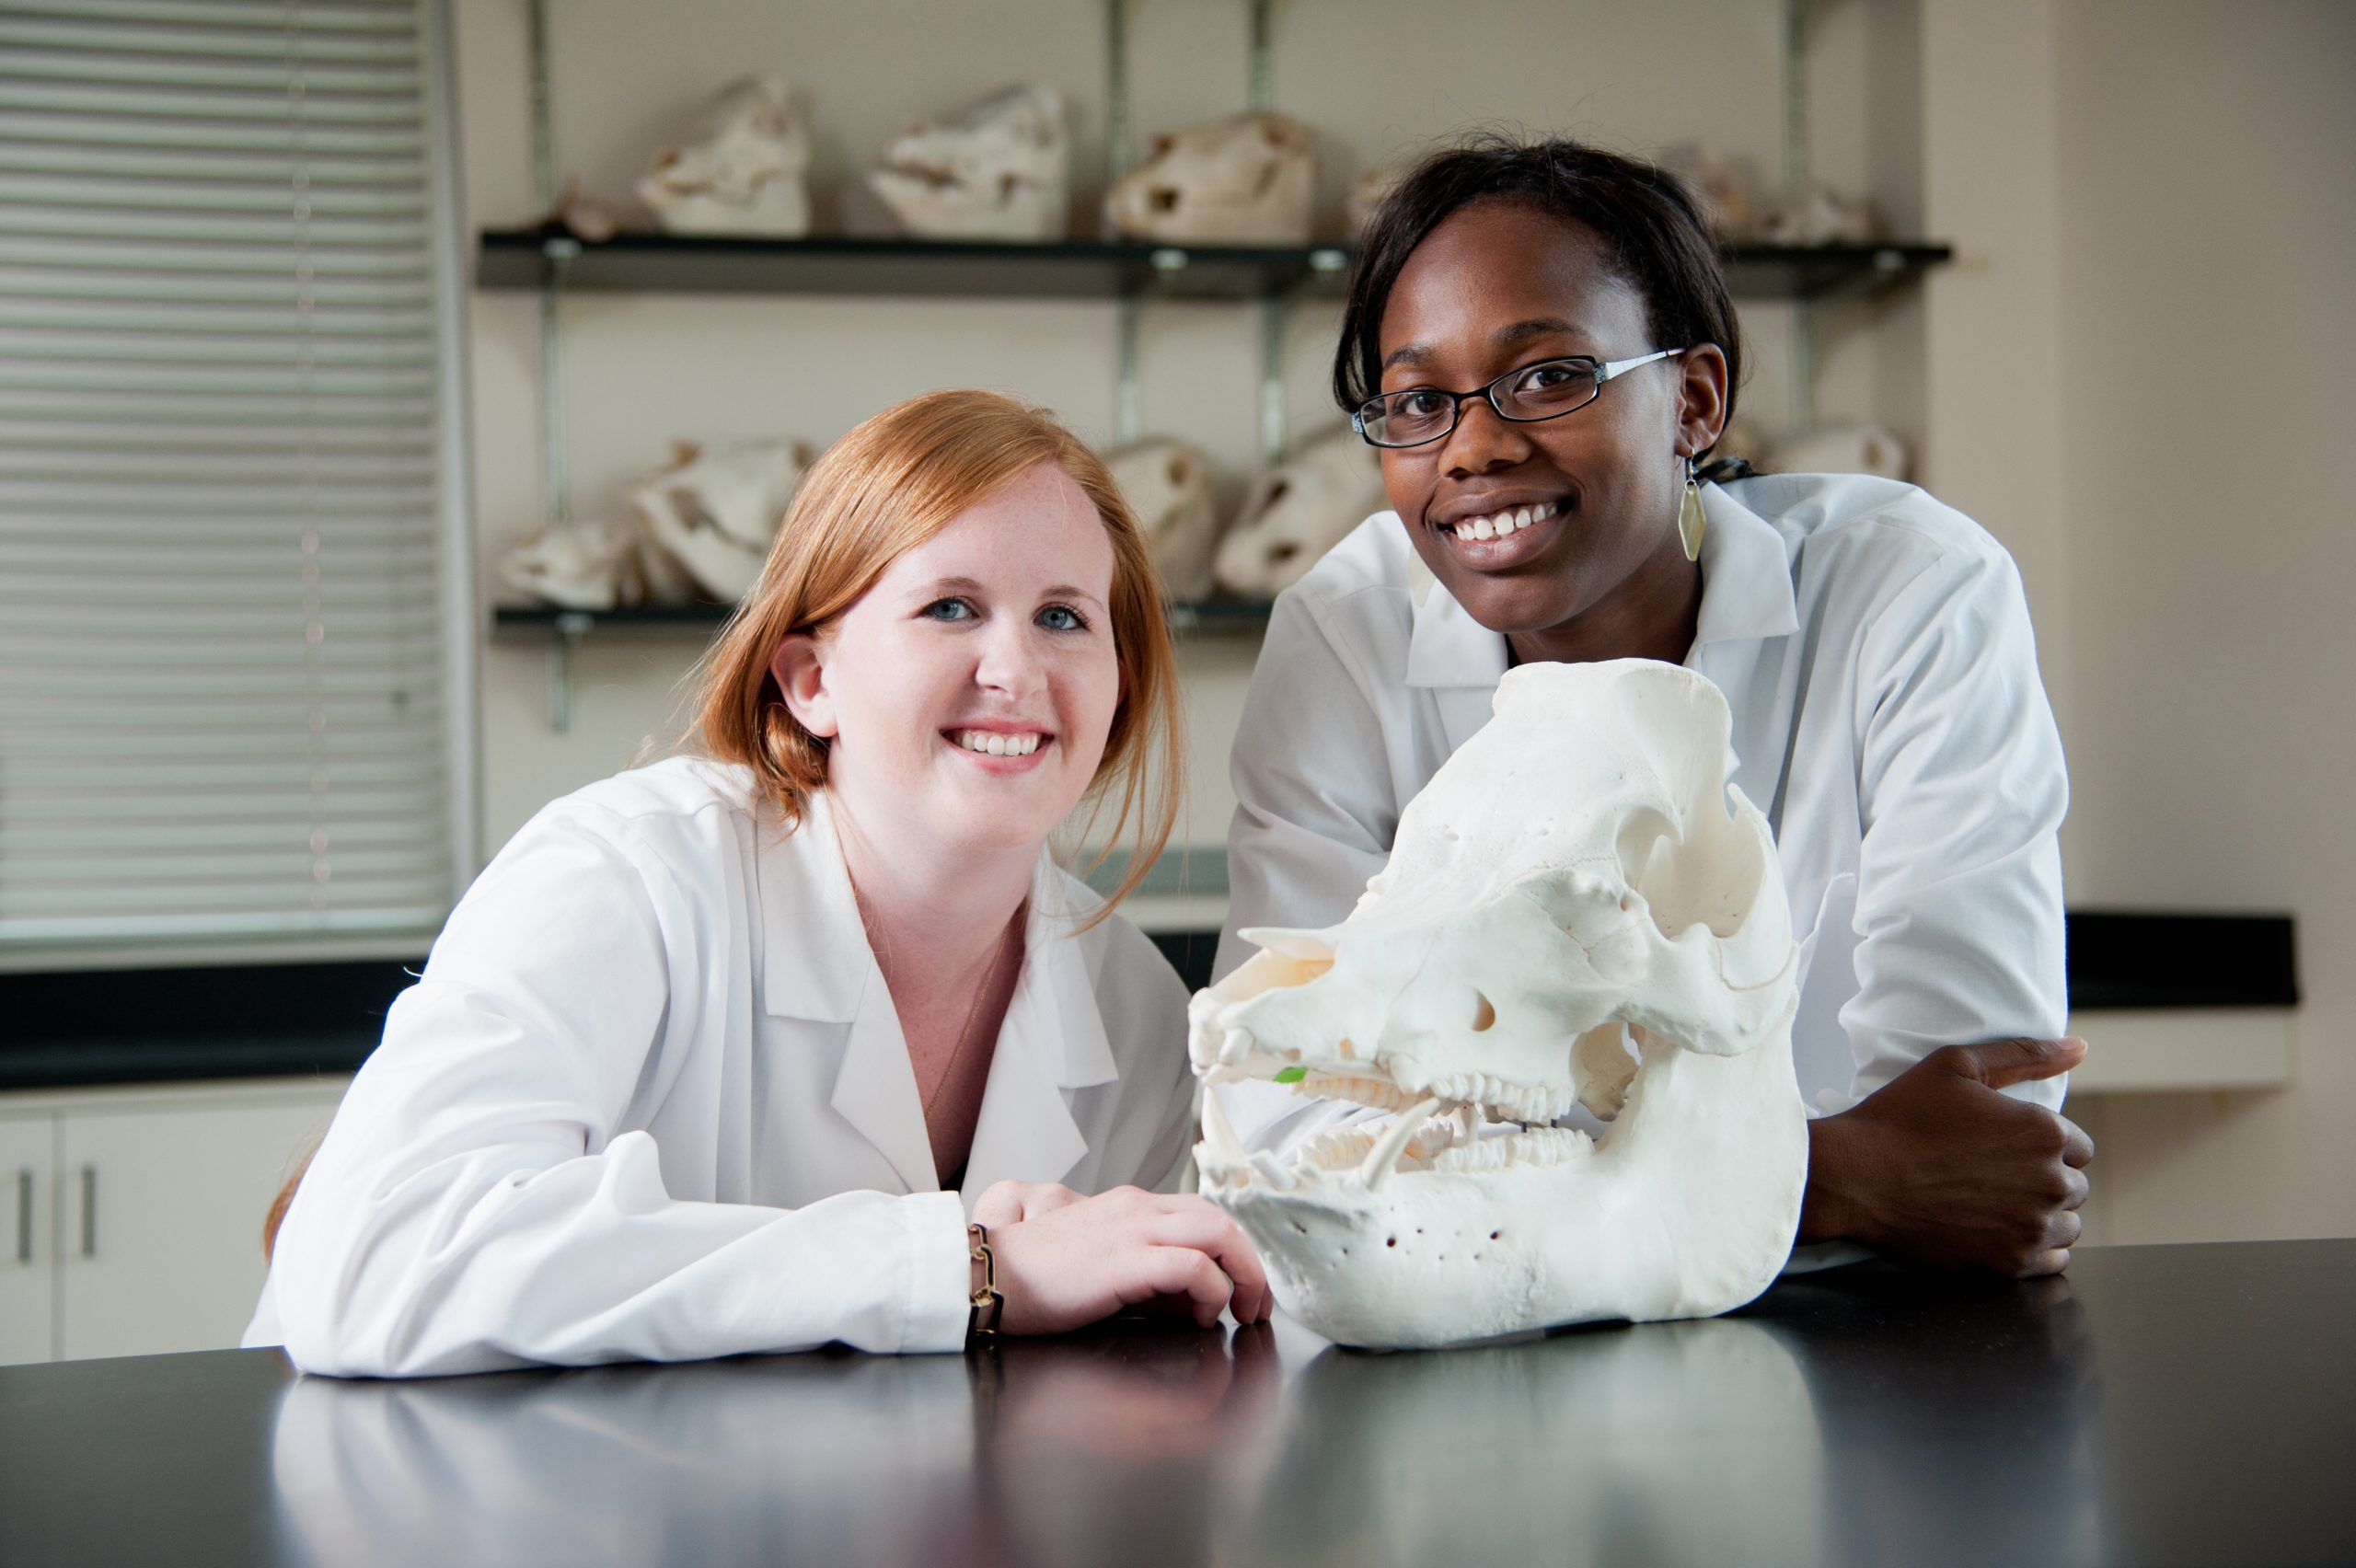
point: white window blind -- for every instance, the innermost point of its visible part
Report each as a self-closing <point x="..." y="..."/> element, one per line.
<point x="225" y="683"/>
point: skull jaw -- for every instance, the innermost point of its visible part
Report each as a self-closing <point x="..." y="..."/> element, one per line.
<point x="1688" y="1210"/>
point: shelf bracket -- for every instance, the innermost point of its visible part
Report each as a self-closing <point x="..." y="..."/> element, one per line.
<point x="1274" y="317"/>
<point x="570" y="627"/>
<point x="1262" y="85"/>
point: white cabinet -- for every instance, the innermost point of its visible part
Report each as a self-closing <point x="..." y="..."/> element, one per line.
<point x="28" y="1284"/>
<point x="147" y="1209"/>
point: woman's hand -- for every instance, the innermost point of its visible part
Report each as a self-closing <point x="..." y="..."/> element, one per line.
<point x="1012" y="1202"/>
<point x="1064" y="1265"/>
<point x="1938" y="1169"/>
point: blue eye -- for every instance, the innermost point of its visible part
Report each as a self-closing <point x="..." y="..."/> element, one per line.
<point x="1062" y="617"/>
<point x="949" y="610"/>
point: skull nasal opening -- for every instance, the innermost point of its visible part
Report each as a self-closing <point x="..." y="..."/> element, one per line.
<point x="1485" y="1014"/>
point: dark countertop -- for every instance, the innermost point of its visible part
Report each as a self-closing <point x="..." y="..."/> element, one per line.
<point x="73" y="1028"/>
<point x="2177" y="1405"/>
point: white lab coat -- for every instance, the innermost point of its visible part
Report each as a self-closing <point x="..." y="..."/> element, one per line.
<point x="651" y="1101"/>
<point x="1875" y="648"/>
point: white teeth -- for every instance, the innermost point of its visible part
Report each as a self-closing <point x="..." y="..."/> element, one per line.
<point x="1539" y="1146"/>
<point x="1387" y="1149"/>
<point x="1218" y="1133"/>
<point x="1510" y="520"/>
<point x="989" y="743"/>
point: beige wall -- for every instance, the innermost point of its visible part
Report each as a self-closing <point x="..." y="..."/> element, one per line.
<point x="2207" y="220"/>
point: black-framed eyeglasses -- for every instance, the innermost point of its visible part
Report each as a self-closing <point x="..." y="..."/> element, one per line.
<point x="1546" y="390"/>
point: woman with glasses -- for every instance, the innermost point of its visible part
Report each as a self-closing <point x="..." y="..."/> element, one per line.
<point x="805" y="1037"/>
<point x="1540" y="341"/>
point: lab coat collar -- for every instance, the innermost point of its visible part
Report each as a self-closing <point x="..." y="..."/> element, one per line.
<point x="1745" y="574"/>
<point x="1746" y="593"/>
<point x="816" y="966"/>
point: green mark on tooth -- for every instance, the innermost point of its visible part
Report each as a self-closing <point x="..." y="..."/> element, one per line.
<point x="1292" y="1074"/>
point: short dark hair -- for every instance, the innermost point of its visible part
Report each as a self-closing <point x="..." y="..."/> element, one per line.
<point x="1650" y="225"/>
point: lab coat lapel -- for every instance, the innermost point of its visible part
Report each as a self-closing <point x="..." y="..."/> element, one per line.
<point x="1743" y="642"/>
<point x="1053" y="1041"/>
<point x="815" y="964"/>
<point x="1455" y="657"/>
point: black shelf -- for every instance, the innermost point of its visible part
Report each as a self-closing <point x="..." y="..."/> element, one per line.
<point x="527" y="259"/>
<point x="1209" y="615"/>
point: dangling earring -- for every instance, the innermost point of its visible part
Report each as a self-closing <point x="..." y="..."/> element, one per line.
<point x="1689" y="521"/>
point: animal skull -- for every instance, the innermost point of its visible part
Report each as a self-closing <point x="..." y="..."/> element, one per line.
<point x="996" y="171"/>
<point x="1168" y="486"/>
<point x="1716" y="184"/>
<point x="745" y="176"/>
<point x="580" y="565"/>
<point x="1296" y="511"/>
<point x="717" y="513"/>
<point x="1571" y="880"/>
<point x="1819" y="216"/>
<point x="1249" y="180"/>
<point x="1841" y="449"/>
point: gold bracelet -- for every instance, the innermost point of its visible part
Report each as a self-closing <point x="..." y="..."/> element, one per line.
<point x="985" y="1305"/>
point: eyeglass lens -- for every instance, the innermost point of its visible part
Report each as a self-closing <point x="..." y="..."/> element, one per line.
<point x="1534" y="392"/>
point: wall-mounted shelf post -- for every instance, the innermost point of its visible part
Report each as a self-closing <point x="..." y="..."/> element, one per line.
<point x="570" y="626"/>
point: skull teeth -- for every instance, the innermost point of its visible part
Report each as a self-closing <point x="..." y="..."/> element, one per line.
<point x="1539" y="1146"/>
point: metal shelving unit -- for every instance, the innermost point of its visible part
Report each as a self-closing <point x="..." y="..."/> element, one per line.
<point x="554" y="261"/>
<point x="541" y="258"/>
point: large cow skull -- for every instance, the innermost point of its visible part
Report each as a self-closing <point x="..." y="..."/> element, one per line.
<point x="716" y="514"/>
<point x="1571" y="882"/>
<point x="745" y="176"/>
<point x="1298" y="511"/>
<point x="996" y="171"/>
<point x="1250" y="179"/>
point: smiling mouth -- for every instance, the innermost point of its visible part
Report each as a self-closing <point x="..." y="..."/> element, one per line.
<point x="1501" y="524"/>
<point x="995" y="743"/>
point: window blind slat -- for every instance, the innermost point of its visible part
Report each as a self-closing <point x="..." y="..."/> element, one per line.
<point x="153" y="103"/>
<point x="319" y="147"/>
<point x="192" y="38"/>
<point x="392" y="18"/>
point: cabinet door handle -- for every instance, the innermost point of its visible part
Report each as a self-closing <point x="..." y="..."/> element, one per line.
<point x="25" y="1214"/>
<point x="90" y="1211"/>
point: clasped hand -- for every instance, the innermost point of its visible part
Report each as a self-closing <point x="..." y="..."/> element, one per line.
<point x="1938" y="1168"/>
<point x="1065" y="1261"/>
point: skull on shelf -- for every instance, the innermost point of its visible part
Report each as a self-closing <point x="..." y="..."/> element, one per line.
<point x="1167" y="486"/>
<point x="1250" y="179"/>
<point x="1716" y="184"/>
<point x="1840" y="449"/>
<point x="578" y="566"/>
<point x="1578" y="880"/>
<point x="997" y="170"/>
<point x="1819" y="216"/>
<point x="746" y="175"/>
<point x="1298" y="511"/>
<point x="717" y="512"/>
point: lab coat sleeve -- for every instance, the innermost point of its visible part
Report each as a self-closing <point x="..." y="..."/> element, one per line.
<point x="477" y="1205"/>
<point x="1315" y="817"/>
<point x="1961" y="788"/>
